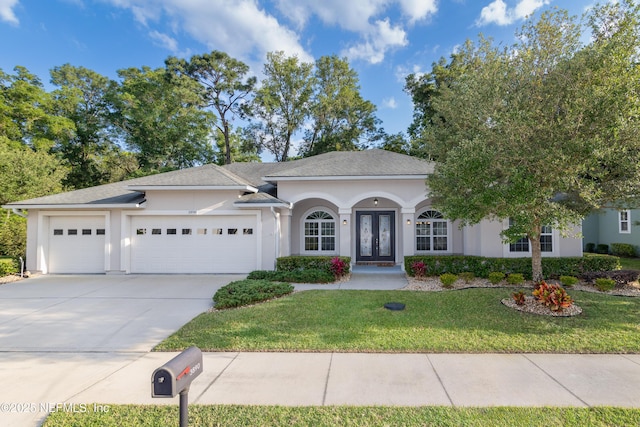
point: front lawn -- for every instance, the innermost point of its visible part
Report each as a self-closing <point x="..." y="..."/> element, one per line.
<point x="235" y="415"/>
<point x="471" y="320"/>
<point x="630" y="263"/>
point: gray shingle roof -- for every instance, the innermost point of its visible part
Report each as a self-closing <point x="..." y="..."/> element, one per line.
<point x="119" y="193"/>
<point x="201" y="176"/>
<point x="367" y="163"/>
<point x="261" y="176"/>
<point x="108" y="194"/>
<point x="260" y="199"/>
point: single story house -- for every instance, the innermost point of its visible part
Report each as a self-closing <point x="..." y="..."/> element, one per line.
<point x="370" y="205"/>
<point x="608" y="226"/>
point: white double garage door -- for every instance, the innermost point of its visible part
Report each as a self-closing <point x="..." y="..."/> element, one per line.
<point x="158" y="244"/>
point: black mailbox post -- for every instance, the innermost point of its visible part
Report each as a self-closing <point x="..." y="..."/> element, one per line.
<point x="176" y="376"/>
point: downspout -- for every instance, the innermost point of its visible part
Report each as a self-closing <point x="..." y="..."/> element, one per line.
<point x="18" y="212"/>
<point x="276" y="216"/>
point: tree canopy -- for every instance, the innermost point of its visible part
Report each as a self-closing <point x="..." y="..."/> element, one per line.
<point x="539" y="133"/>
<point x="282" y="102"/>
<point x="223" y="87"/>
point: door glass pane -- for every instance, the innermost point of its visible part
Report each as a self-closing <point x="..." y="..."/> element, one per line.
<point x="365" y="235"/>
<point x="384" y="234"/>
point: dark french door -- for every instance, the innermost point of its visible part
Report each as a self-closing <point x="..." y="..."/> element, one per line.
<point x="375" y="236"/>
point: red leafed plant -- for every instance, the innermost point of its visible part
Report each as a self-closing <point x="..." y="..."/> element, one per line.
<point x="419" y="269"/>
<point x="518" y="297"/>
<point x="552" y="296"/>
<point x="338" y="267"/>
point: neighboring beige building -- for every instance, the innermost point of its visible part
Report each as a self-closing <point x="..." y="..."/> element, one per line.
<point x="370" y="205"/>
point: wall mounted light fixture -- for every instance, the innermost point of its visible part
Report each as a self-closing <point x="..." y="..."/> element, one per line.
<point x="344" y="222"/>
<point x="408" y="222"/>
<point x="375" y="201"/>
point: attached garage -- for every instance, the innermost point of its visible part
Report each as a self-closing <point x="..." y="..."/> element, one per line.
<point x="194" y="244"/>
<point x="76" y="244"/>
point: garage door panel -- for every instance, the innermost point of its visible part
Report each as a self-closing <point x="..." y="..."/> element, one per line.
<point x="173" y="244"/>
<point x="76" y="244"/>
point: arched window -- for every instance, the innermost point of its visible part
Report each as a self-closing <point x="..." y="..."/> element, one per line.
<point x="432" y="232"/>
<point x="319" y="232"/>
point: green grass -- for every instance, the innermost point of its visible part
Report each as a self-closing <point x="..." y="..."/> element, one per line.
<point x="630" y="263"/>
<point x="234" y="415"/>
<point x="471" y="320"/>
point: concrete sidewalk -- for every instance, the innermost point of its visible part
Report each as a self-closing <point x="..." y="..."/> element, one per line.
<point x="300" y="379"/>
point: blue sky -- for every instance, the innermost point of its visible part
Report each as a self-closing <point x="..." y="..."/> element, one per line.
<point x="384" y="40"/>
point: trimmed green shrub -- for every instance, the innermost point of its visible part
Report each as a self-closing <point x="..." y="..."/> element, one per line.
<point x="623" y="249"/>
<point x="298" y="262"/>
<point x="7" y="267"/>
<point x="605" y="285"/>
<point x="515" y="279"/>
<point x="245" y="292"/>
<point x="482" y="266"/>
<point x="590" y="247"/>
<point x="568" y="281"/>
<point x="298" y="276"/>
<point x="601" y="248"/>
<point x="448" y="279"/>
<point x="496" y="277"/>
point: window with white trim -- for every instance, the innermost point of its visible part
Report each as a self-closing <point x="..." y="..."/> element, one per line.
<point x="546" y="241"/>
<point x="319" y="232"/>
<point x="432" y="232"/>
<point x="624" y="221"/>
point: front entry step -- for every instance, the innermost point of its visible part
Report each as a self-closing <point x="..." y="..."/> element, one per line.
<point x="377" y="264"/>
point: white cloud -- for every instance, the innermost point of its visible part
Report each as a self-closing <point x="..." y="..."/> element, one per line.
<point x="6" y="11"/>
<point x="390" y="103"/>
<point x="365" y="18"/>
<point x="164" y="40"/>
<point x="378" y="40"/>
<point x="240" y="28"/>
<point x="350" y="15"/>
<point x="402" y="72"/>
<point x="418" y="9"/>
<point x="497" y="12"/>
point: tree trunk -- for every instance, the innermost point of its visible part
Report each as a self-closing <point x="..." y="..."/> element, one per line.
<point x="227" y="144"/>
<point x="536" y="255"/>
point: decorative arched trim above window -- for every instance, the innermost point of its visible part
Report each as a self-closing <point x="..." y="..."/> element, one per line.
<point x="430" y="214"/>
<point x="432" y="232"/>
<point x="319" y="215"/>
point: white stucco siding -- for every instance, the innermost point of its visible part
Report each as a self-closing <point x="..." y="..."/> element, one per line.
<point x="347" y="193"/>
<point x="190" y="200"/>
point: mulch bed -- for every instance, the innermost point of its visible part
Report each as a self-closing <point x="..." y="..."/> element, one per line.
<point x="531" y="305"/>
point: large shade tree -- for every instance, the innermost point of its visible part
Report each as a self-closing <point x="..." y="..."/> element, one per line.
<point x="29" y="128"/>
<point x="224" y="87"/>
<point x="341" y="119"/>
<point x="82" y="97"/>
<point x="281" y="104"/>
<point x="543" y="132"/>
<point x="160" y="121"/>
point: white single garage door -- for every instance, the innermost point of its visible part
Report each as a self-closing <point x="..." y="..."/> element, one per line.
<point x="76" y="244"/>
<point x="204" y="244"/>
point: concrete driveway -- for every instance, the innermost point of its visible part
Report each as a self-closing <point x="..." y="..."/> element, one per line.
<point x="99" y="313"/>
<point x="62" y="334"/>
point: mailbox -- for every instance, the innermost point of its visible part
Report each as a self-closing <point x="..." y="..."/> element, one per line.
<point x="176" y="375"/>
